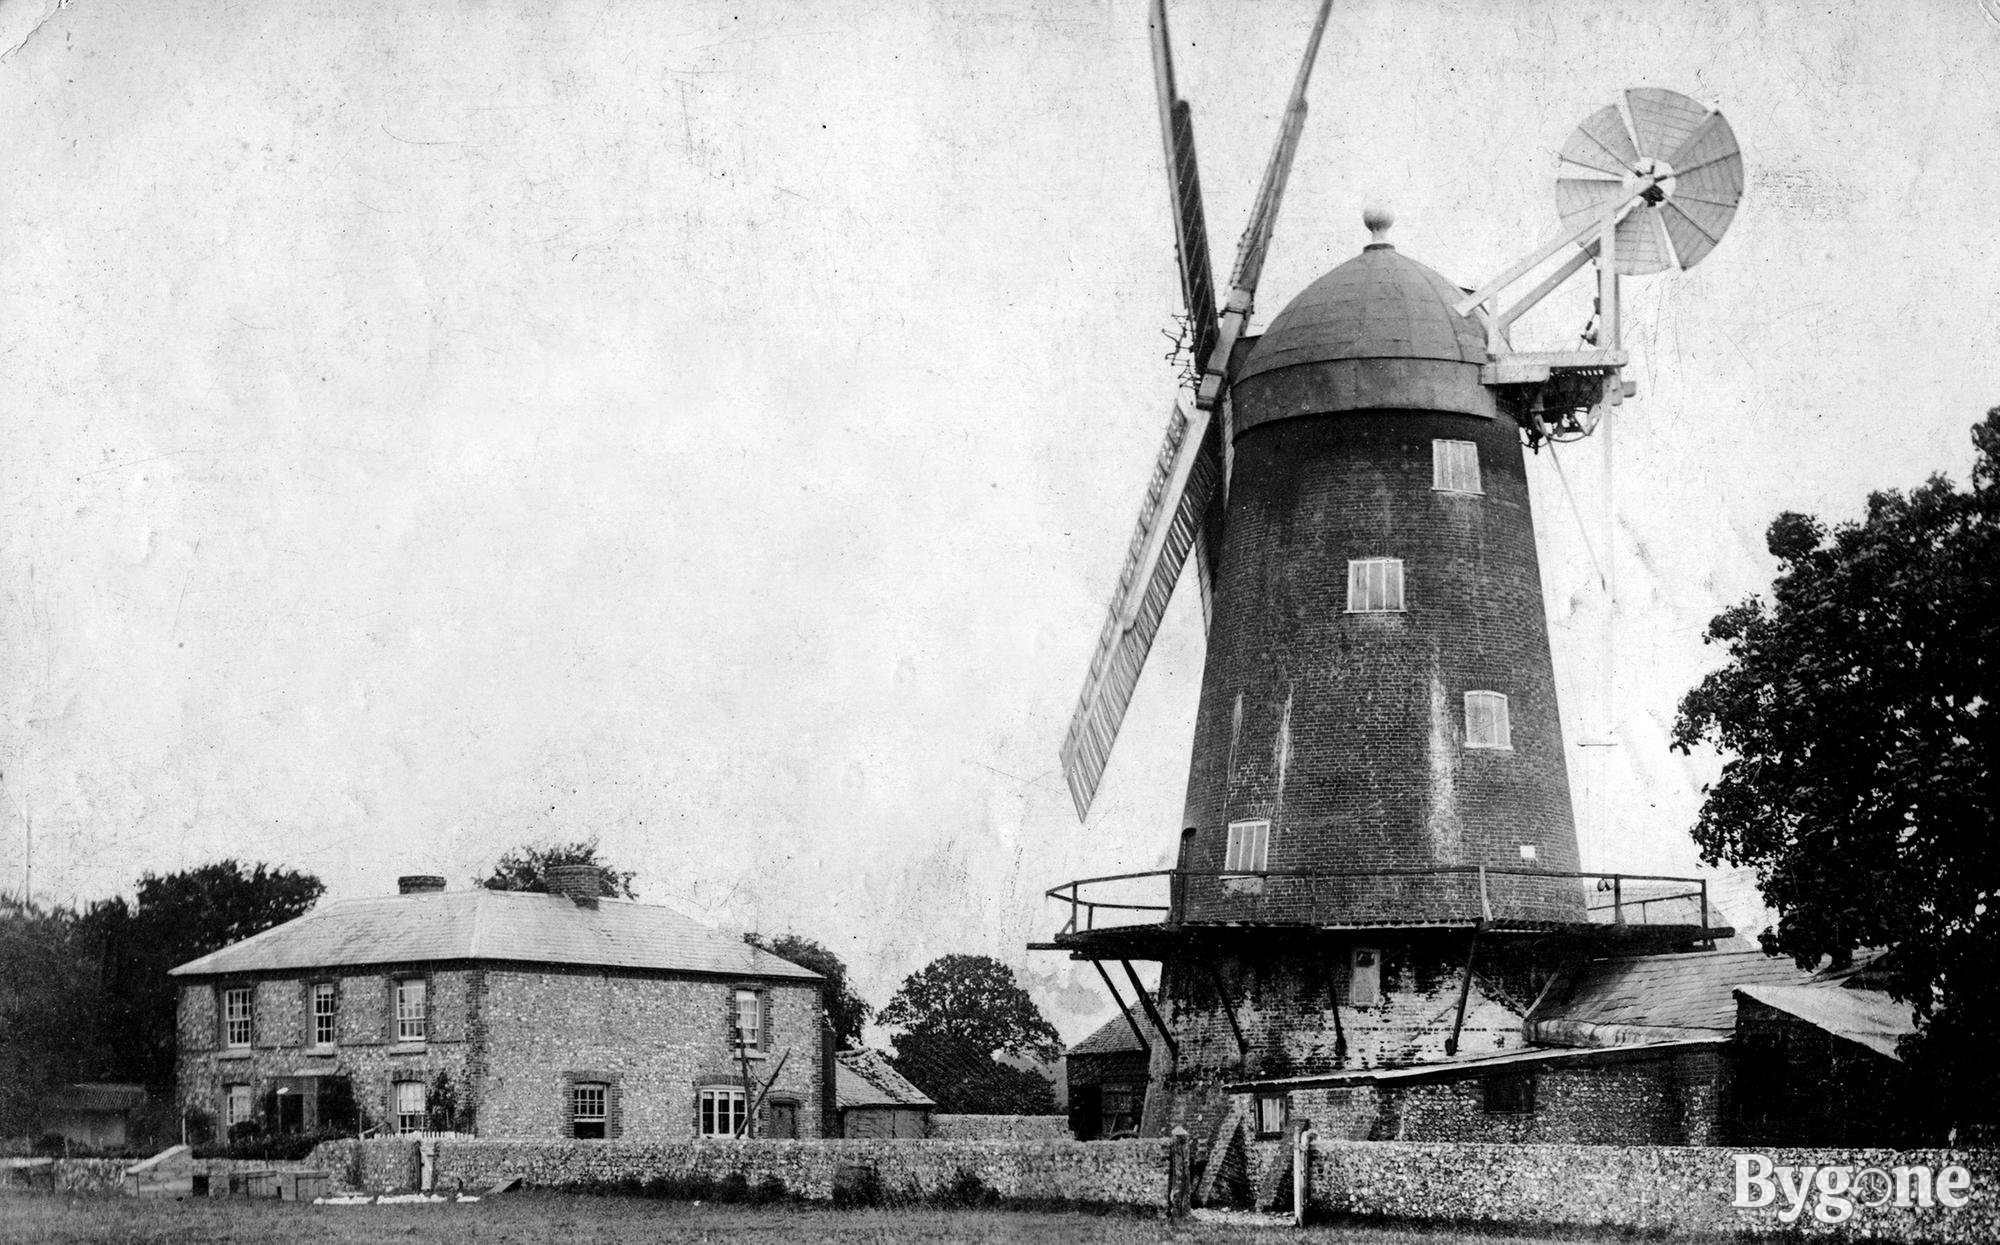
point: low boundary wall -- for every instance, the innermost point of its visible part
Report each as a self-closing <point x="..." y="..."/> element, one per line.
<point x="1001" y="1128"/>
<point x="1120" y="1173"/>
<point x="1679" y="1189"/>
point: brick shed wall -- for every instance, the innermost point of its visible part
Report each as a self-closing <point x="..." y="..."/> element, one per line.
<point x="657" y="1039"/>
<point x="1347" y="730"/>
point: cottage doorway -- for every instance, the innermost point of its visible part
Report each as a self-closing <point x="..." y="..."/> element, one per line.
<point x="785" y="1121"/>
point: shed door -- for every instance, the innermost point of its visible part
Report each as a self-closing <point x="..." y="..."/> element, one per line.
<point x="785" y="1121"/>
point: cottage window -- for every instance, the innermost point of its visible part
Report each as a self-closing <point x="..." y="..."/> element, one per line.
<point x="323" y="1002"/>
<point x="1455" y="466"/>
<point x="749" y="1019"/>
<point x="1375" y="586"/>
<point x="1271" y="1112"/>
<point x="1486" y="724"/>
<point x="1509" y="1094"/>
<point x="410" y="1106"/>
<point x="1119" y="1110"/>
<point x="722" y="1112"/>
<point x="235" y="1106"/>
<point x="1249" y="846"/>
<point x="236" y="1016"/>
<point x="412" y="1005"/>
<point x="587" y="1101"/>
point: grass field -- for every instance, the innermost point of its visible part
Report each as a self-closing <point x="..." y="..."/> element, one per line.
<point x="538" y="1217"/>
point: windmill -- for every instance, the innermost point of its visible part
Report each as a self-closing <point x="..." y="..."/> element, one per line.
<point x="1378" y="801"/>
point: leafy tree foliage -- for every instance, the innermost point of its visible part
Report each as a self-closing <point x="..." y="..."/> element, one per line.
<point x="50" y="995"/>
<point x="847" y="1013"/>
<point x="526" y="868"/>
<point x="963" y="1078"/>
<point x="1857" y="717"/>
<point x="177" y="917"/>
<point x="957" y="1013"/>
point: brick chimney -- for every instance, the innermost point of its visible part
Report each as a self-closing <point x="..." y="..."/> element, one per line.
<point x="419" y="884"/>
<point x="581" y="884"/>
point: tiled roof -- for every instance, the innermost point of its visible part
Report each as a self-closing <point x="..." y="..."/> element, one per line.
<point x="1112" y="1037"/>
<point x="496" y="925"/>
<point x="1866" y="1017"/>
<point x="1657" y="997"/>
<point x="99" y="1096"/>
<point x="863" y="1078"/>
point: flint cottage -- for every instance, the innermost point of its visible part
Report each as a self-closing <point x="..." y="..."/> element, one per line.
<point x="504" y="1014"/>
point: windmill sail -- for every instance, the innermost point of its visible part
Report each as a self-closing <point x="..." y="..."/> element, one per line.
<point x="1184" y="183"/>
<point x="1177" y="503"/>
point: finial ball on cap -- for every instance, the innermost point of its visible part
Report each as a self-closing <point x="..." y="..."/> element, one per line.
<point x="1378" y="219"/>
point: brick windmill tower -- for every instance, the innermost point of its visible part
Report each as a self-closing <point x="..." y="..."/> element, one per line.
<point x="1378" y="862"/>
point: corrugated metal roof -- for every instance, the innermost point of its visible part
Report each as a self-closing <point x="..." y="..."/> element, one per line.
<point x="495" y="925"/>
<point x="1654" y="997"/>
<point x="1865" y="1017"/>
<point x="864" y="1078"/>
<point x="1113" y="1037"/>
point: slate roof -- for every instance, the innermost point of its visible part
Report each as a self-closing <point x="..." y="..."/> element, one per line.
<point x="479" y="924"/>
<point x="1657" y="997"/>
<point x="863" y="1078"/>
<point x="1866" y="1017"/>
<point x="1113" y="1037"/>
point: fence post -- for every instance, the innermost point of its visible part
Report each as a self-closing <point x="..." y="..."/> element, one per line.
<point x="1302" y="1150"/>
<point x="1180" y="1194"/>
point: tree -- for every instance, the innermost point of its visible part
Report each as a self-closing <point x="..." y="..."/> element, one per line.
<point x="1856" y="717"/>
<point x="526" y="868"/>
<point x="957" y="1013"/>
<point x="847" y="1013"/>
<point x="177" y="917"/>
<point x="50" y="995"/>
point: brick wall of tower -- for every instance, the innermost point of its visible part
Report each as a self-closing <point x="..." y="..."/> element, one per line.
<point x="1347" y="730"/>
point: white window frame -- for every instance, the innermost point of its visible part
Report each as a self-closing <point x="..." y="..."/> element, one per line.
<point x="721" y="1111"/>
<point x="1455" y="467"/>
<point x="750" y="1036"/>
<point x="412" y="1106"/>
<point x="1488" y="722"/>
<point x="236" y="1105"/>
<point x="1375" y="586"/>
<point x="597" y="1094"/>
<point x="237" y="1026"/>
<point x="1248" y="849"/>
<point x="325" y="1020"/>
<point x="412" y="1009"/>
<point x="1273" y="1111"/>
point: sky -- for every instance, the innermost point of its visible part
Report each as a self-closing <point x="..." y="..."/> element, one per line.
<point x="716" y="430"/>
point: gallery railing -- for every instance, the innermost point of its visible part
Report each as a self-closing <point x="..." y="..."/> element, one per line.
<point x="1445" y="893"/>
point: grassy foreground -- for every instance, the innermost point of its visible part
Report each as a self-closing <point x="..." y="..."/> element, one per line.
<point x="538" y="1217"/>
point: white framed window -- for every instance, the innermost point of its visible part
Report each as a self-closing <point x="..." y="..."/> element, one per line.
<point x="410" y="1106"/>
<point x="412" y="1007"/>
<point x="1364" y="977"/>
<point x="236" y="1017"/>
<point x="1375" y="586"/>
<point x="323" y="1014"/>
<point x="1271" y="1112"/>
<point x="235" y="1105"/>
<point x="1455" y="467"/>
<point x="722" y="1112"/>
<point x="1486" y="724"/>
<point x="749" y="1022"/>
<point x="1249" y="846"/>
<point x="588" y="1101"/>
